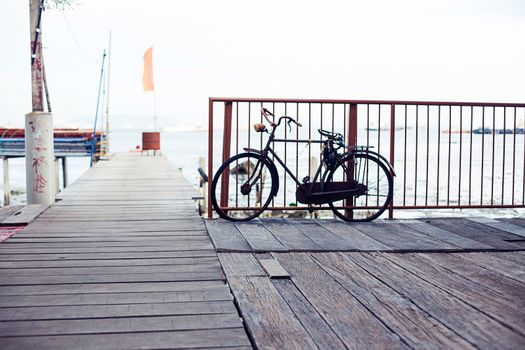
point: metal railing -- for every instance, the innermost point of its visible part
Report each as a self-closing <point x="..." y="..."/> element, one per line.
<point x="455" y="155"/>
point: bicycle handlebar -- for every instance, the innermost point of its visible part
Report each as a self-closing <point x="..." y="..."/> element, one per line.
<point x="266" y="113"/>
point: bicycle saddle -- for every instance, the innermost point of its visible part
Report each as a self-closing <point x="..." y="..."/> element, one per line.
<point x="330" y="134"/>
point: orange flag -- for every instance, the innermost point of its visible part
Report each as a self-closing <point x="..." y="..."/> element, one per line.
<point x="147" y="79"/>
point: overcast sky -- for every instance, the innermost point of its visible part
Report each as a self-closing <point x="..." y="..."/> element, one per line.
<point x="453" y="50"/>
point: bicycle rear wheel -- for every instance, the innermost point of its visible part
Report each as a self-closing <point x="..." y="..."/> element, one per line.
<point x="376" y="183"/>
<point x="243" y="187"/>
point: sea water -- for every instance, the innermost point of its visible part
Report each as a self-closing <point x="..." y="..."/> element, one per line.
<point x="183" y="149"/>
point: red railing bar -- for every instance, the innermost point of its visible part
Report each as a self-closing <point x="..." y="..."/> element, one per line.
<point x="395" y="207"/>
<point x="367" y="139"/>
<point x="493" y="154"/>
<point x="378" y="144"/>
<point x="285" y="153"/>
<point x="380" y="102"/>
<point x="482" y="151"/>
<point x="449" y="151"/>
<point x="504" y="155"/>
<point x="392" y="149"/>
<point x="417" y="149"/>
<point x="405" y="157"/>
<point x="460" y="151"/>
<point x="309" y="138"/>
<point x="210" y="154"/>
<point x="428" y="154"/>
<point x="470" y="157"/>
<point x="297" y="144"/>
<point x="237" y="150"/>
<point x="514" y="157"/>
<point x="438" y="154"/>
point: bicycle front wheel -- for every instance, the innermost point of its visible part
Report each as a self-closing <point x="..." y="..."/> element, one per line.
<point x="375" y="187"/>
<point x="243" y="187"/>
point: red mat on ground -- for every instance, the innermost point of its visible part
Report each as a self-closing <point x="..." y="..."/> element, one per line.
<point x="8" y="231"/>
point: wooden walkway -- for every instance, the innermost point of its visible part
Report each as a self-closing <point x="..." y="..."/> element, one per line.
<point x="402" y="284"/>
<point x="121" y="262"/>
<point x="124" y="262"/>
<point x="428" y="235"/>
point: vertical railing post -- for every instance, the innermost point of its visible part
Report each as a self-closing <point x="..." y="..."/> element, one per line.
<point x="351" y="141"/>
<point x="210" y="155"/>
<point x="392" y="152"/>
<point x="226" y="144"/>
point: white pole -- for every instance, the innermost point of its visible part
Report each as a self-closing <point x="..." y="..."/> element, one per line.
<point x="40" y="184"/>
<point x="107" y="98"/>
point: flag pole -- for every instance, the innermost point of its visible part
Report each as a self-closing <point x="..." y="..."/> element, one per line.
<point x="155" y="108"/>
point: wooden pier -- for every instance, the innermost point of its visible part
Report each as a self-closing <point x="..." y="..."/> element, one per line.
<point x="123" y="261"/>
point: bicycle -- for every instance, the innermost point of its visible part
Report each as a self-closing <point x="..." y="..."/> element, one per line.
<point x="356" y="185"/>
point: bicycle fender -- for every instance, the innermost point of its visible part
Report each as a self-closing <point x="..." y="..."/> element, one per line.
<point x="380" y="157"/>
<point x="271" y="167"/>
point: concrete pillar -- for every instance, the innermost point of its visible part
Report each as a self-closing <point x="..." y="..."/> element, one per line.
<point x="40" y="158"/>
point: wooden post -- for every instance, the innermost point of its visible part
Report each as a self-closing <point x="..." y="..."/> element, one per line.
<point x="226" y="152"/>
<point x="64" y="172"/>
<point x="203" y="188"/>
<point x="7" y="190"/>
<point x="57" y="176"/>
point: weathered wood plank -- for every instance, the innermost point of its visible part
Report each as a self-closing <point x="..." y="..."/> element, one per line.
<point x="352" y="322"/>
<point x="321" y="236"/>
<point x="466" y="321"/>
<point x="270" y="321"/>
<point x="210" y="294"/>
<point x="402" y="238"/>
<point x="477" y="232"/>
<point x="61" y="263"/>
<point x="273" y="269"/>
<point x="108" y="278"/>
<point x="226" y="237"/>
<point x="289" y="236"/>
<point x="107" y="255"/>
<point x="240" y="264"/>
<point x="511" y="265"/>
<point x="122" y="287"/>
<point x="357" y="239"/>
<point x="119" y="325"/>
<point x="109" y="270"/>
<point x="500" y="225"/>
<point x="400" y="314"/>
<point x="25" y="215"/>
<point x="507" y="310"/>
<point x="115" y="310"/>
<point x="312" y="321"/>
<point x="444" y="235"/>
<point x="162" y="340"/>
<point x="172" y="247"/>
<point x="258" y="237"/>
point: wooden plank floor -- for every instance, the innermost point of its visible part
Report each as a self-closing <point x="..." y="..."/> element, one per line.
<point x="122" y="261"/>
<point x="382" y="300"/>
<point x="428" y="235"/>
<point x="401" y="284"/>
